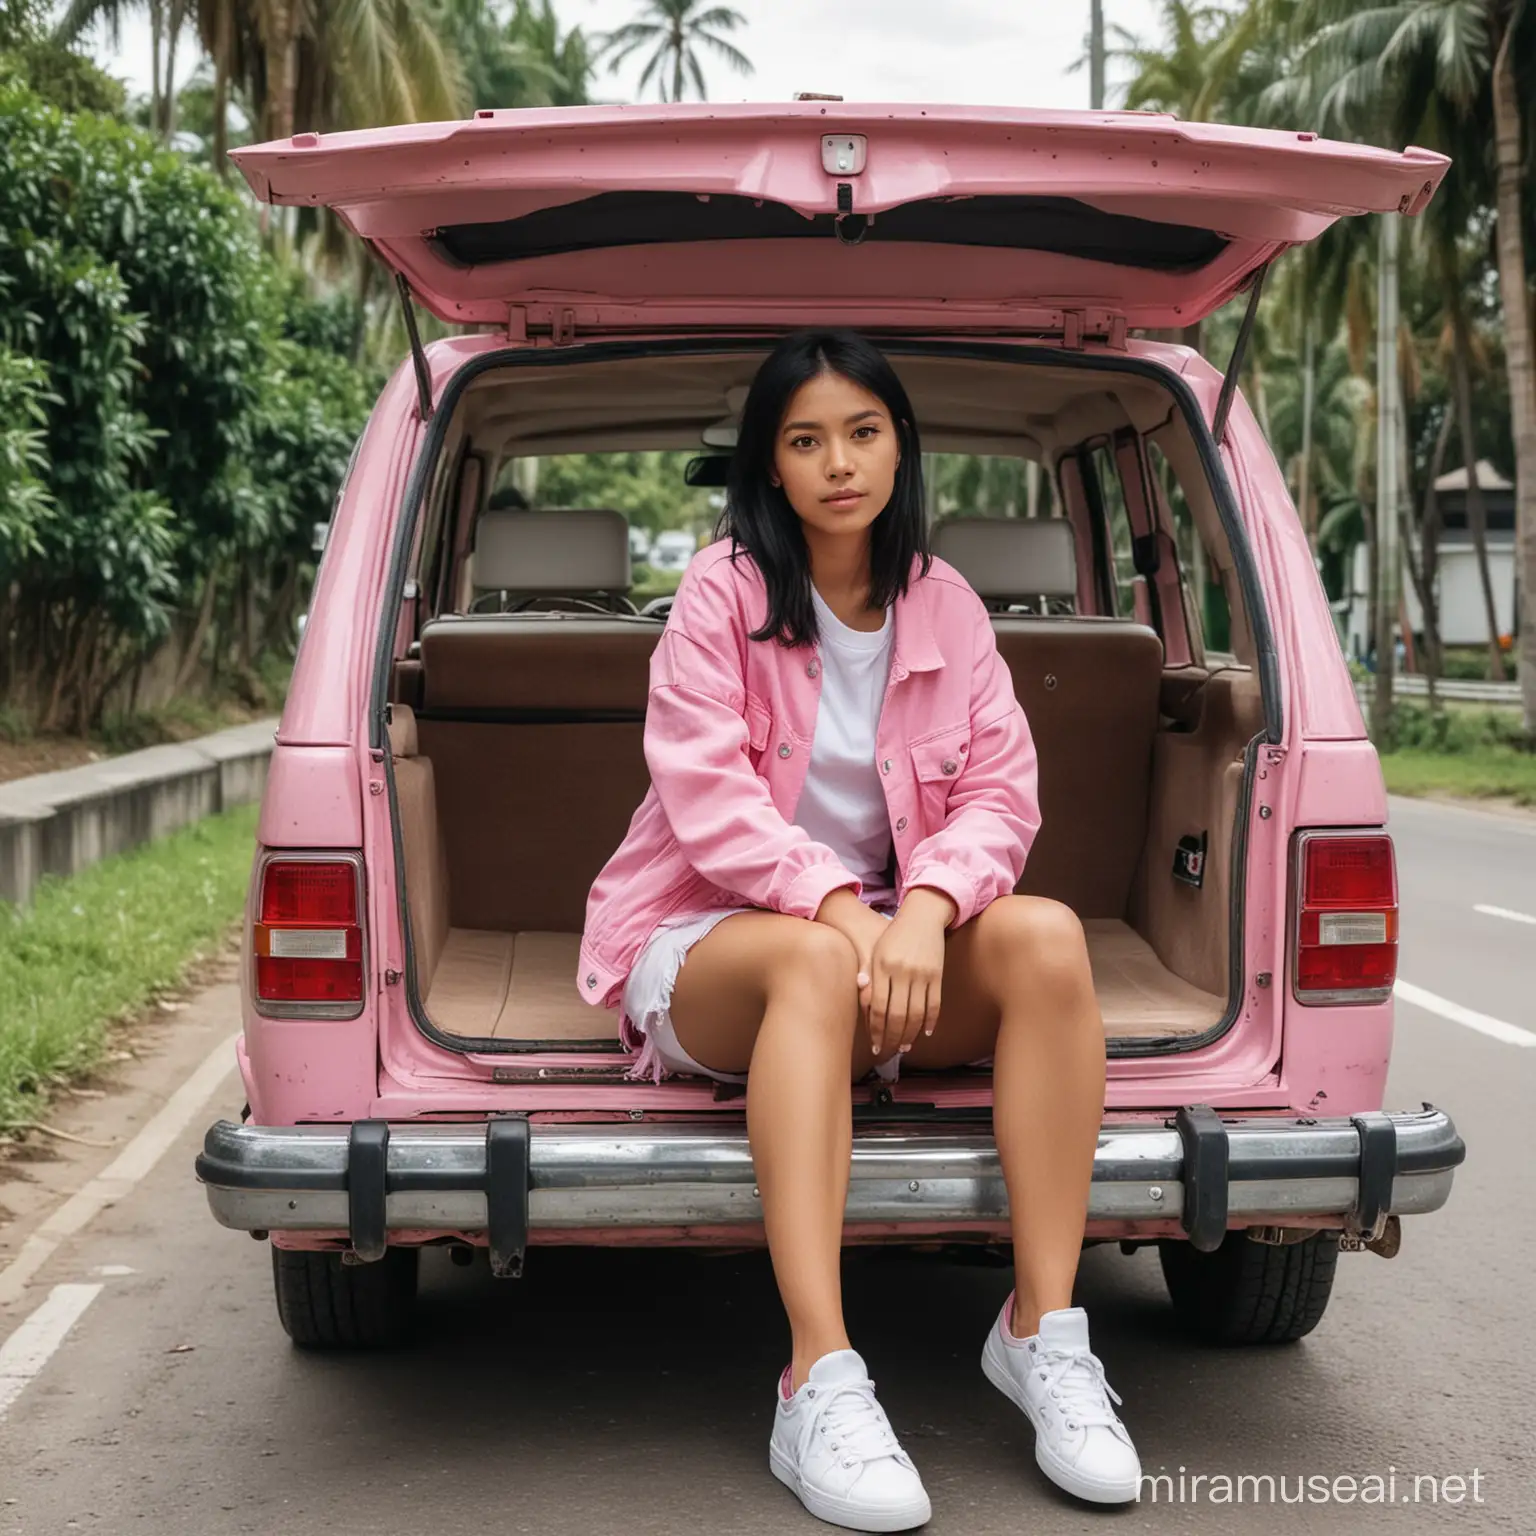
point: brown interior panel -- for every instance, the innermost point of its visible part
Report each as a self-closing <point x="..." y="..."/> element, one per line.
<point x="530" y="814"/>
<point x="1089" y="690"/>
<point x="1196" y="782"/>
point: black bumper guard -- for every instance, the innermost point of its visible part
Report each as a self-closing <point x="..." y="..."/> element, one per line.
<point x="1207" y="1170"/>
<point x="505" y="1187"/>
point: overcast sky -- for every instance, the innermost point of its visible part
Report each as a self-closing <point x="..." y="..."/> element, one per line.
<point x="1004" y="52"/>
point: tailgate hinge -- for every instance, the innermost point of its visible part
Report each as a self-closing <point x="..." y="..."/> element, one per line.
<point x="1079" y="326"/>
<point x="418" y="353"/>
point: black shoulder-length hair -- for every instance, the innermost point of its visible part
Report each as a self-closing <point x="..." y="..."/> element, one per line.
<point x="758" y="517"/>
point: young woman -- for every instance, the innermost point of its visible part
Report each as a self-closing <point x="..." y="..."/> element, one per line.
<point x="820" y="880"/>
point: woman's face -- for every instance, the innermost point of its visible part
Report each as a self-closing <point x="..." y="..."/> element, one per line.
<point x="836" y="454"/>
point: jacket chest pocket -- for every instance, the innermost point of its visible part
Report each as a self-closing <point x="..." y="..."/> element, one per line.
<point x="937" y="763"/>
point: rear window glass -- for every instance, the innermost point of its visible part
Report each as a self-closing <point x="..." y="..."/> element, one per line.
<point x="986" y="485"/>
<point x="1060" y="224"/>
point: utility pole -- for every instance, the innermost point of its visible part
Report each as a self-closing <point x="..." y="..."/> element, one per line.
<point x="1388" y="426"/>
<point x="1096" y="55"/>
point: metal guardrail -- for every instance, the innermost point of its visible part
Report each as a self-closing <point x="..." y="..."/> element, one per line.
<point x="1411" y="685"/>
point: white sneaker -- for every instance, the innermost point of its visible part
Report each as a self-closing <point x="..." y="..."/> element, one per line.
<point x="1080" y="1443"/>
<point x="833" y="1444"/>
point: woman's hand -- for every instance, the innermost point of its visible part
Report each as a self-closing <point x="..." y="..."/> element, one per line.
<point x="862" y="928"/>
<point x="907" y="970"/>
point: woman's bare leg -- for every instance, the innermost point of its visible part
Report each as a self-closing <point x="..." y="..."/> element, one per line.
<point x="776" y="996"/>
<point x="1018" y="986"/>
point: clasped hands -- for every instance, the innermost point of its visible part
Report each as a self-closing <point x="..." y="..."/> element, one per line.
<point x="900" y="962"/>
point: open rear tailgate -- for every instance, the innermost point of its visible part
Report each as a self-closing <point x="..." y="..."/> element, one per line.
<point x="683" y="214"/>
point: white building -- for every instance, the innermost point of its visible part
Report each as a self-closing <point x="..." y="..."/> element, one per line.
<point x="1463" y="616"/>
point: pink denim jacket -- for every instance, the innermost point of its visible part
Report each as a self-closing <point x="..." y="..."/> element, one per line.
<point x="728" y="732"/>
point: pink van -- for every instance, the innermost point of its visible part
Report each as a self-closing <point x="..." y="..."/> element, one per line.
<point x="461" y="749"/>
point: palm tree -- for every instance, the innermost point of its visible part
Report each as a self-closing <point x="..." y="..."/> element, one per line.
<point x="1456" y="74"/>
<point x="1175" y="75"/>
<point x="1178" y="75"/>
<point x="675" y="30"/>
<point x="313" y="64"/>
<point x="521" y="60"/>
<point x="166" y="20"/>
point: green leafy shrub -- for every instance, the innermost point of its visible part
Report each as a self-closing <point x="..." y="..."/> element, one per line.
<point x="1456" y="732"/>
<point x="177" y="413"/>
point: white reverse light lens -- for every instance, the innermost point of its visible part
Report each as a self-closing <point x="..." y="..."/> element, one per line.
<point x="1352" y="928"/>
<point x="308" y="943"/>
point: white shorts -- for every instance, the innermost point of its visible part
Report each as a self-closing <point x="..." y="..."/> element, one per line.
<point x="647" y="998"/>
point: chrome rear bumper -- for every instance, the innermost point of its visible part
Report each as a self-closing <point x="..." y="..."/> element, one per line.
<point x="509" y="1178"/>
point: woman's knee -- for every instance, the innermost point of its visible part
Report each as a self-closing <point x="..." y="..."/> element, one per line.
<point x="817" y="966"/>
<point x="1035" y="939"/>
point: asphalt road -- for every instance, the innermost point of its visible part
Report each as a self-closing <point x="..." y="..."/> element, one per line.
<point x="632" y="1392"/>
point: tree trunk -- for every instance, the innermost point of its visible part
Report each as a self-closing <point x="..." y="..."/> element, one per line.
<point x="222" y="44"/>
<point x="1477" y="511"/>
<point x="1384" y="523"/>
<point x="282" y="37"/>
<point x="178" y="16"/>
<point x="156" y="31"/>
<point x="1517" y="348"/>
<point x="194" y="650"/>
<point x="1429" y="561"/>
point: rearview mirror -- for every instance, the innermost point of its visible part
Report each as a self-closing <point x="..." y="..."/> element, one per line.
<point x="708" y="469"/>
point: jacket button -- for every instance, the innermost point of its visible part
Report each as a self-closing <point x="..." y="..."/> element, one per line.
<point x="814" y="669"/>
<point x="901" y="824"/>
<point x="885" y="767"/>
<point x="949" y="765"/>
<point x="591" y="981"/>
<point x="784" y="749"/>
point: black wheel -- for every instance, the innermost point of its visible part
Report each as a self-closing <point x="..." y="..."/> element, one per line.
<point x="325" y="1304"/>
<point x="1251" y="1293"/>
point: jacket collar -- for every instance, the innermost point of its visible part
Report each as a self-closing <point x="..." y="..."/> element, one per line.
<point x="916" y="650"/>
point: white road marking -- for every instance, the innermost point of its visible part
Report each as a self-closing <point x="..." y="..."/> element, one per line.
<point x="123" y="1172"/>
<point x="1505" y="912"/>
<point x="31" y="1346"/>
<point x="1510" y="1034"/>
<point x="114" y="1271"/>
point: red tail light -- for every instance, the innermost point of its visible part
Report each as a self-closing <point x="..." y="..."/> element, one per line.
<point x="1345" y="898"/>
<point x="308" y="938"/>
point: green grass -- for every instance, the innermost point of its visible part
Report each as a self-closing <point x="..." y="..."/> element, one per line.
<point x="1468" y="750"/>
<point x="96" y="947"/>
<point x="1492" y="771"/>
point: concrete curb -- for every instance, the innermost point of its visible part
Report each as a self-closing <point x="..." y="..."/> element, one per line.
<point x="58" y="823"/>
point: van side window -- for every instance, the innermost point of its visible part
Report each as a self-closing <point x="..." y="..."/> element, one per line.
<point x="1106" y="506"/>
<point x="1205" y="599"/>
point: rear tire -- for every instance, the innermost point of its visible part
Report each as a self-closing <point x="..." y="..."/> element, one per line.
<point x="325" y="1304"/>
<point x="1251" y="1293"/>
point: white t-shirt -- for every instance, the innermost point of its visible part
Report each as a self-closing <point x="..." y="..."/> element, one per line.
<point x="843" y="804"/>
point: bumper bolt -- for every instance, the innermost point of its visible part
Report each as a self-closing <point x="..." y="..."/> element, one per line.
<point x="1155" y="1192"/>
